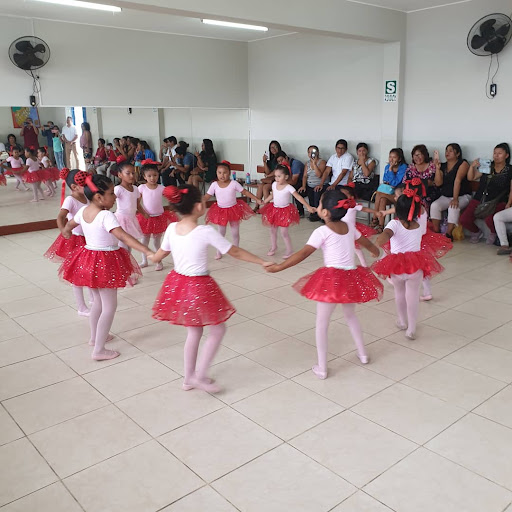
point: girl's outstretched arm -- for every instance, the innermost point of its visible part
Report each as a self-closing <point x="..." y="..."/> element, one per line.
<point x="369" y="246"/>
<point x="242" y="254"/>
<point x="384" y="237"/>
<point x="246" y="193"/>
<point x="299" y="198"/>
<point x="293" y="260"/>
<point x="128" y="240"/>
<point x="159" y="256"/>
<point x="70" y="225"/>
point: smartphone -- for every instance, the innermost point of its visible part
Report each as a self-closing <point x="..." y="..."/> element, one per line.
<point x="485" y="166"/>
<point x="313" y="154"/>
<point x="25" y="123"/>
<point x="267" y="154"/>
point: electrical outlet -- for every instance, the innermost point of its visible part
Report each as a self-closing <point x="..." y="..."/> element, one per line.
<point x="493" y="90"/>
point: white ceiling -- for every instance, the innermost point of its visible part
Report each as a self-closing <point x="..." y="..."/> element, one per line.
<point x="131" y="19"/>
<point x="409" y="5"/>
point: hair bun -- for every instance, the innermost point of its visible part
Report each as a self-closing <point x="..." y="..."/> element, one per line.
<point x="173" y="194"/>
<point x="80" y="178"/>
<point x="63" y="174"/>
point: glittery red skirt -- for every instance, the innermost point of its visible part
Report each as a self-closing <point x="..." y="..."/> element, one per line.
<point x="156" y="225"/>
<point x="99" y="269"/>
<point x="365" y="230"/>
<point x="282" y="217"/>
<point x="407" y="263"/>
<point x="221" y="216"/>
<point x="436" y="244"/>
<point x="340" y="286"/>
<point x="3" y="181"/>
<point x="62" y="247"/>
<point x="192" y="301"/>
<point x="50" y="174"/>
<point x="33" y="177"/>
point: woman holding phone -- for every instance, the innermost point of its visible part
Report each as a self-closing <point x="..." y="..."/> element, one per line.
<point x="312" y="178"/>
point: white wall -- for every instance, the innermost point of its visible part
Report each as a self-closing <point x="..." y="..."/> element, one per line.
<point x="97" y="66"/>
<point x="306" y="89"/>
<point x="445" y="97"/>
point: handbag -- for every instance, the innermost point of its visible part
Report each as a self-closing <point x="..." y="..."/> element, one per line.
<point x="487" y="208"/>
<point x="384" y="188"/>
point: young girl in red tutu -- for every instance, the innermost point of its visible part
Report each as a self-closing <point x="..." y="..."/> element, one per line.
<point x="281" y="213"/>
<point x="189" y="296"/>
<point x="157" y="219"/>
<point x="407" y="264"/>
<point x="228" y="208"/>
<point x="3" y="181"/>
<point x="16" y="169"/>
<point x="64" y="247"/>
<point x="101" y="264"/>
<point x="49" y="172"/>
<point x="338" y="281"/>
<point x="33" y="174"/>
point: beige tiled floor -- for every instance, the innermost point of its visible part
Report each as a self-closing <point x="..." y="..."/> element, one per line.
<point x="426" y="426"/>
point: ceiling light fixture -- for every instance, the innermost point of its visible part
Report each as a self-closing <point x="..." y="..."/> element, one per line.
<point x="235" y="25"/>
<point x="86" y="5"/>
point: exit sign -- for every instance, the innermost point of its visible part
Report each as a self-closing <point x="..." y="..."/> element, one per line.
<point x="390" y="91"/>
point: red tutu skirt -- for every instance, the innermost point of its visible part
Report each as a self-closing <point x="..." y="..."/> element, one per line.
<point x="50" y="174"/>
<point x="156" y="225"/>
<point x="99" y="269"/>
<point x="365" y="230"/>
<point x="3" y="181"/>
<point x="282" y="217"/>
<point x="33" y="177"/>
<point x="340" y="286"/>
<point x="221" y="216"/>
<point x="407" y="263"/>
<point x="62" y="247"/>
<point x="436" y="244"/>
<point x="192" y="301"/>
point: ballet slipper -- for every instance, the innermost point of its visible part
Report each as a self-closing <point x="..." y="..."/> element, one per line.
<point x="218" y="256"/>
<point x="143" y="264"/>
<point x="286" y="256"/>
<point x="105" y="355"/>
<point x="319" y="373"/>
<point x="364" y="359"/>
<point x="203" y="384"/>
<point x="271" y="252"/>
<point x="110" y="337"/>
<point x="426" y="298"/>
<point x="187" y="387"/>
<point x="410" y="335"/>
<point x="402" y="327"/>
<point x="159" y="267"/>
<point x="86" y="312"/>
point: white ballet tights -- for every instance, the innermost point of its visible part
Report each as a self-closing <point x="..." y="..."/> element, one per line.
<point x="157" y="239"/>
<point x="101" y="317"/>
<point x="196" y="371"/>
<point x="324" y="311"/>
<point x="78" y="293"/>
<point x="361" y="258"/>
<point x="235" y="234"/>
<point x="37" y="190"/>
<point x="407" y="299"/>
<point x="427" y="288"/>
<point x="286" y="238"/>
<point x="19" y="181"/>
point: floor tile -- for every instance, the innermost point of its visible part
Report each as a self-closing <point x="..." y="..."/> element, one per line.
<point x="151" y="338"/>
<point x="378" y="323"/>
<point x="54" y="404"/>
<point x="260" y="284"/>
<point x="485" y="359"/>
<point x="10" y="329"/>
<point x="31" y="305"/>
<point x="250" y="335"/>
<point x="286" y="294"/>
<point x="290" y="320"/>
<point x="256" y="305"/>
<point x="426" y="309"/>
<point x="203" y="499"/>
<point x="218" y="443"/>
<point x="408" y="412"/>
<point x="361" y="502"/>
<point x="9" y="431"/>
<point x="168" y="407"/>
<point x="132" y="319"/>
<point x="130" y="377"/>
<point x="22" y="471"/>
<point x="498" y="407"/>
<point x="26" y="376"/>
<point x="16" y="293"/>
<point x="346" y="384"/>
<point x="54" y="498"/>
<point x="463" y="324"/>
<point x="20" y="349"/>
<point x="488" y="309"/>
<point x="142" y="481"/>
<point x="283" y="479"/>
<point x="61" y="337"/>
<point x="453" y="384"/>
<point x="480" y="445"/>
<point x="500" y="337"/>
<point x="392" y="360"/>
<point x="47" y="319"/>
<point x="287" y="409"/>
<point x="354" y="448"/>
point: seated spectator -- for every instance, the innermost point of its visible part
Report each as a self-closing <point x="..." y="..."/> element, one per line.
<point x="311" y="179"/>
<point x="494" y="185"/>
<point x="149" y="154"/>
<point x="363" y="172"/>
<point x="451" y="178"/>
<point x="206" y="169"/>
<point x="338" y="166"/>
<point x="12" y="144"/>
<point x="168" y="162"/>
<point x="424" y="168"/>
<point x="296" y="171"/>
<point x="394" y="173"/>
<point x="269" y="164"/>
<point x="100" y="158"/>
<point x="184" y="162"/>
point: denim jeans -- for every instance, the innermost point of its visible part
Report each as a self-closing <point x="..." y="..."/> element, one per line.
<point x="59" y="158"/>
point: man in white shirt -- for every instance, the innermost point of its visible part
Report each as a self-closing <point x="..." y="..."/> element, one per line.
<point x="340" y="165"/>
<point x="69" y="137"/>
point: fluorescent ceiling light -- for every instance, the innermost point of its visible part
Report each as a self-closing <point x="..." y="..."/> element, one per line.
<point x="235" y="25"/>
<point x="86" y="5"/>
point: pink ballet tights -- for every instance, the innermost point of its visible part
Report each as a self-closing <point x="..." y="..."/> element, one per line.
<point x="407" y="299"/>
<point x="195" y="371"/>
<point x="235" y="233"/>
<point x="324" y="311"/>
<point x="360" y="257"/>
<point x="101" y="317"/>
<point x="157" y="239"/>
<point x="78" y="293"/>
<point x="286" y="238"/>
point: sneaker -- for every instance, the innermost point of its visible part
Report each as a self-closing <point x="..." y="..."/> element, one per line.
<point x="475" y="237"/>
<point x="491" y="239"/>
<point x="504" y="250"/>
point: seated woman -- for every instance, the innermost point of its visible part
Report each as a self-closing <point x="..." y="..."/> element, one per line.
<point x="100" y="158"/>
<point x="424" y="168"/>
<point x="184" y="162"/>
<point x="269" y="163"/>
<point x="149" y="154"/>
<point x="363" y="172"/>
<point x="394" y="173"/>
<point x="493" y="185"/>
<point x="206" y="169"/>
<point x="451" y="178"/>
<point x="311" y="179"/>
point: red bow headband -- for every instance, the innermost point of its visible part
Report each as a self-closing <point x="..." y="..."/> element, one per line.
<point x="346" y="203"/>
<point x="173" y="194"/>
<point x="416" y="182"/>
<point x="411" y="193"/>
<point x="149" y="161"/>
<point x="284" y="163"/>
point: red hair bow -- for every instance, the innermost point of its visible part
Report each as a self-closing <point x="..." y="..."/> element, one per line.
<point x="81" y="178"/>
<point x="149" y="161"/>
<point x="90" y="184"/>
<point x="63" y="174"/>
<point x="226" y="162"/>
<point x="120" y="159"/>
<point x="411" y="193"/>
<point x="173" y="194"/>
<point x="416" y="182"/>
<point x="284" y="163"/>
<point x="346" y="203"/>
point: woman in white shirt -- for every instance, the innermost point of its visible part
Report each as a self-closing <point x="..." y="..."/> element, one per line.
<point x="339" y="165"/>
